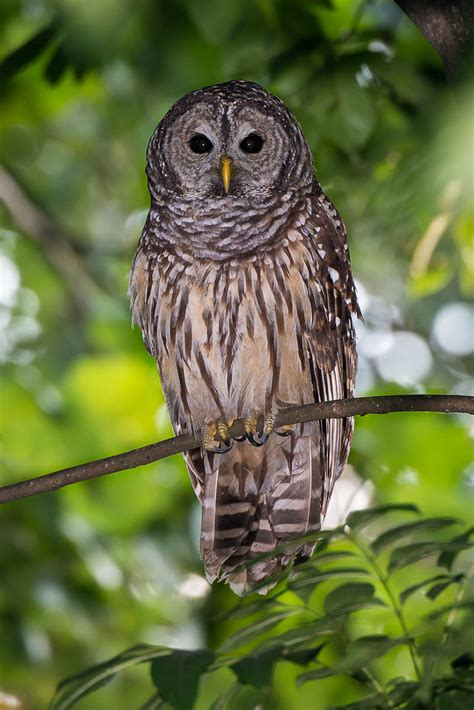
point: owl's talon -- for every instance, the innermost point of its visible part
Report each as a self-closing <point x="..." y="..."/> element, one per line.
<point x="222" y="449"/>
<point x="223" y="431"/>
<point x="268" y="425"/>
<point x="250" y="428"/>
<point x="285" y="430"/>
<point x="252" y="435"/>
<point x="215" y="437"/>
<point x="251" y="439"/>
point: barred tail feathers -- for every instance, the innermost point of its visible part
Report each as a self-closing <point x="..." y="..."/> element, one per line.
<point x="254" y="499"/>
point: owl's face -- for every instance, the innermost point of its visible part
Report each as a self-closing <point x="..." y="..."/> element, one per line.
<point x="229" y="140"/>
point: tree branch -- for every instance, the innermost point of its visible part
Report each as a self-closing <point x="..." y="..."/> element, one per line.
<point x="338" y="409"/>
<point x="448" y="26"/>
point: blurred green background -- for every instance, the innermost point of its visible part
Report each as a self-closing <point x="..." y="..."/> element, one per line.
<point x="94" y="568"/>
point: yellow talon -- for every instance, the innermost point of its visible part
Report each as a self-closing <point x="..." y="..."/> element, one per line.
<point x="223" y="430"/>
<point x="208" y="434"/>
<point x="215" y="436"/>
<point x="250" y="427"/>
<point x="285" y="430"/>
<point x="250" y="424"/>
<point x="257" y="438"/>
<point x="268" y="424"/>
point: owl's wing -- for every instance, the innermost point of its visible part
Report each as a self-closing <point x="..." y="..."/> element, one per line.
<point x="330" y="337"/>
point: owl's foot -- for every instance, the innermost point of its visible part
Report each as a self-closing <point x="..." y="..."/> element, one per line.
<point x="285" y="430"/>
<point x="254" y="437"/>
<point x="215" y="436"/>
<point x="216" y="439"/>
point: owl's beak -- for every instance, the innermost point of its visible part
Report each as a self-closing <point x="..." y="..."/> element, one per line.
<point x="226" y="172"/>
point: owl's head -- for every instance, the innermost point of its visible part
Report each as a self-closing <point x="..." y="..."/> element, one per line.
<point x="229" y="140"/>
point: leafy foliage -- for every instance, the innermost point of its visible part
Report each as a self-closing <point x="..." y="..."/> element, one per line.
<point x="177" y="674"/>
<point x="325" y="637"/>
<point x="73" y="689"/>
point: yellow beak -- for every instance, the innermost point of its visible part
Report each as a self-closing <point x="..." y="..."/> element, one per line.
<point x="226" y="172"/>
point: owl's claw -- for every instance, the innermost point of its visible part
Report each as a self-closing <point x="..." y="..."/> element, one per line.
<point x="215" y="436"/>
<point x="258" y="438"/>
<point x="252" y="440"/>
<point x="286" y="430"/>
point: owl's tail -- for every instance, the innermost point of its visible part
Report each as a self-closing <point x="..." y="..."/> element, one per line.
<point x="253" y="501"/>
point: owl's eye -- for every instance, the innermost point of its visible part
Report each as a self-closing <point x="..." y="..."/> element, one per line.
<point x="252" y="144"/>
<point x="200" y="143"/>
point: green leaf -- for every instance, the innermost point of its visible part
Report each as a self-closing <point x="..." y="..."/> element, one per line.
<point x="177" y="675"/>
<point x="27" y="53"/>
<point x="153" y="703"/>
<point x="248" y="608"/>
<point x="305" y="584"/>
<point x="408" y="554"/>
<point x="258" y="628"/>
<point x="316" y="576"/>
<point x="467" y="604"/>
<point x="367" y="648"/>
<point x="400" y="531"/>
<point x="256" y="668"/>
<point x="240" y="697"/>
<point x="70" y="690"/>
<point x="322" y="540"/>
<point x="351" y="597"/>
<point x="456" y="644"/>
<point x="465" y="661"/>
<point x="448" y="579"/>
<point x="303" y="656"/>
<point x="333" y="555"/>
<point x="453" y="699"/>
<point x="402" y="690"/>
<point x="325" y="672"/>
<point x="359" y="518"/>
<point x="376" y="701"/>
<point x="454" y="547"/>
<point x="305" y="635"/>
<point x="57" y="65"/>
<point x="223" y="701"/>
<point x="434" y="591"/>
<point x="359" y="653"/>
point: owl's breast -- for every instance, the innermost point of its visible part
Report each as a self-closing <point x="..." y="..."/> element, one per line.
<point x="228" y="338"/>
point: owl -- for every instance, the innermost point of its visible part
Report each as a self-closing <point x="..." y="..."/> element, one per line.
<point x="242" y="287"/>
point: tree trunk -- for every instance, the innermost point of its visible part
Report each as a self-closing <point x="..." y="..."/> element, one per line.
<point x="449" y="27"/>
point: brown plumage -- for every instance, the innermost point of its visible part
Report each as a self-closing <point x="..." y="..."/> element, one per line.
<point x="245" y="298"/>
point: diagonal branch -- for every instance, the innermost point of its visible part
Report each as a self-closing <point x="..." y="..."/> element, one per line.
<point x="59" y="247"/>
<point x="337" y="409"/>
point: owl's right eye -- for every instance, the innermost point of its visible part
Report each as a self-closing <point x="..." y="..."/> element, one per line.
<point x="200" y="143"/>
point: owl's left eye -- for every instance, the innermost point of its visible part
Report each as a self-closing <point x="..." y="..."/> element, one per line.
<point x="252" y="144"/>
<point x="200" y="143"/>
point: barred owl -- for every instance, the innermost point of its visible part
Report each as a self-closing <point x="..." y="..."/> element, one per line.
<point x="242" y="287"/>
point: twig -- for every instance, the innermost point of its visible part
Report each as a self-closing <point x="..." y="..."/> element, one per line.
<point x="58" y="245"/>
<point x="425" y="248"/>
<point x="337" y="409"/>
<point x="383" y="577"/>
